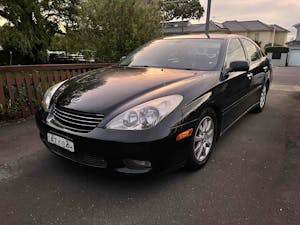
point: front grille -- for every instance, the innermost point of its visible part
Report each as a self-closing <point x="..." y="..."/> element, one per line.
<point x="79" y="157"/>
<point x="75" y="120"/>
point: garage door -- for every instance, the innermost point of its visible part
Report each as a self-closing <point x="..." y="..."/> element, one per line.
<point x="294" y="58"/>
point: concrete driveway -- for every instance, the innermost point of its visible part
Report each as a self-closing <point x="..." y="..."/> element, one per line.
<point x="251" y="178"/>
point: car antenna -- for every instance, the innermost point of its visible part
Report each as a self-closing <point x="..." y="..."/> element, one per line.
<point x="207" y="18"/>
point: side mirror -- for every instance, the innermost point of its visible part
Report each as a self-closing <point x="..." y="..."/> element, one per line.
<point x="235" y="66"/>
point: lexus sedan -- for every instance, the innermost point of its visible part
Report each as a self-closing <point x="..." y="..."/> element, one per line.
<point x="163" y="106"/>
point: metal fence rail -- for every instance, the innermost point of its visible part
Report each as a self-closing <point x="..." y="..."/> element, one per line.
<point x="22" y="87"/>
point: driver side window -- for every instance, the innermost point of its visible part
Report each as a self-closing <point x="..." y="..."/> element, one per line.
<point x="253" y="53"/>
<point x="235" y="52"/>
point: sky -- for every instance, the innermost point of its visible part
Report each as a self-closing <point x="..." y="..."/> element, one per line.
<point x="285" y="13"/>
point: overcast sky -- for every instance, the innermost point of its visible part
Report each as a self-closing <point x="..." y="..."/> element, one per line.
<point x="285" y="13"/>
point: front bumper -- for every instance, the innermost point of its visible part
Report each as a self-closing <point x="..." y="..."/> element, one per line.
<point x="109" y="148"/>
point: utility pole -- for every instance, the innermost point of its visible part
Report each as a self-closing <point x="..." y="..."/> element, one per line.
<point x="273" y="37"/>
<point x="10" y="57"/>
<point x="207" y="18"/>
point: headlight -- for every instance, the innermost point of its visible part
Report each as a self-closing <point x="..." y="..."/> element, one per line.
<point x="146" y="115"/>
<point x="48" y="96"/>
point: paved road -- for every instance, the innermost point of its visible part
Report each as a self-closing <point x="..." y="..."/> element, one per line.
<point x="252" y="177"/>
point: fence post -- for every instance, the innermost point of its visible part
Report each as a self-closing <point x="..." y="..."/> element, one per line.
<point x="21" y="97"/>
<point x="28" y="82"/>
<point x="10" y="87"/>
<point x="2" y="97"/>
<point x="36" y="82"/>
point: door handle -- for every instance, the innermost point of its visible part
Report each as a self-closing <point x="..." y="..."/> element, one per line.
<point x="266" y="68"/>
<point x="250" y="76"/>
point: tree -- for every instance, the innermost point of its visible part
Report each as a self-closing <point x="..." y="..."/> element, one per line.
<point x="258" y="42"/>
<point x="115" y="27"/>
<point x="31" y="25"/>
<point x="181" y="9"/>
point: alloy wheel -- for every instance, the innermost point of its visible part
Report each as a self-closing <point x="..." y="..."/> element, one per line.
<point x="203" y="139"/>
<point x="263" y="97"/>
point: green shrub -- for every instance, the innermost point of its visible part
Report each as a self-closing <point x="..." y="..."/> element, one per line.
<point x="1" y="110"/>
<point x="258" y="43"/>
<point x="277" y="49"/>
<point x="274" y="44"/>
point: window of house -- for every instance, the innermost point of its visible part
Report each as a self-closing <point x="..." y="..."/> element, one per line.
<point x="251" y="50"/>
<point x="235" y="52"/>
<point x="276" y="55"/>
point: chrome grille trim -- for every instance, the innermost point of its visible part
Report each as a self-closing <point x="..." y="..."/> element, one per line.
<point x="94" y="117"/>
<point x="71" y="128"/>
<point x="71" y="122"/>
<point x="76" y="121"/>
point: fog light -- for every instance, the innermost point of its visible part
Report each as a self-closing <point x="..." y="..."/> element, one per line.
<point x="132" y="163"/>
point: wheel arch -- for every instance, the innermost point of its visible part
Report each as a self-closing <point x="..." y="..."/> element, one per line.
<point x="219" y="118"/>
<point x="218" y="113"/>
<point x="268" y="84"/>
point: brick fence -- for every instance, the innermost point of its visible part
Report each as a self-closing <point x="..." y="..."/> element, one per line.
<point x="22" y="87"/>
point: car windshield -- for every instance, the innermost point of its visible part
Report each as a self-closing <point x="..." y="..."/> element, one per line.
<point x="191" y="54"/>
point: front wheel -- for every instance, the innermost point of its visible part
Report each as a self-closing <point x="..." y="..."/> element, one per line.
<point x="203" y="140"/>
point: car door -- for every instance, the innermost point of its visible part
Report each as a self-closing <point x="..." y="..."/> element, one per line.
<point x="258" y="69"/>
<point x="236" y="87"/>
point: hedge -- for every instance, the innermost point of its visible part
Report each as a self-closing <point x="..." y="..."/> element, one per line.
<point x="277" y="49"/>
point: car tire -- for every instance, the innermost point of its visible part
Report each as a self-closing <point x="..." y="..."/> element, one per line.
<point x="262" y="100"/>
<point x="201" y="143"/>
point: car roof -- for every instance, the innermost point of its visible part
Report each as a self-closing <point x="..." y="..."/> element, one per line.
<point x="203" y="36"/>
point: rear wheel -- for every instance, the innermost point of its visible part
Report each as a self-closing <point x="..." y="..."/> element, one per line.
<point x="262" y="100"/>
<point x="203" y="140"/>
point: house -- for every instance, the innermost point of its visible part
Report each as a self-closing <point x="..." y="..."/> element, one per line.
<point x="256" y="30"/>
<point x="294" y="46"/>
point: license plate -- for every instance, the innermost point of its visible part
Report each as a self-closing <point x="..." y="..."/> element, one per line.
<point x="61" y="142"/>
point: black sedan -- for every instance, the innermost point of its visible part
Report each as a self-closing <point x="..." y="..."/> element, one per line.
<point x="163" y="106"/>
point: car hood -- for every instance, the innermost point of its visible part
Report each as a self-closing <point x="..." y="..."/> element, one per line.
<point x="101" y="91"/>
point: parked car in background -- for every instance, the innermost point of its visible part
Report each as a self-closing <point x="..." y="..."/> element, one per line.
<point x="61" y="57"/>
<point x="162" y="106"/>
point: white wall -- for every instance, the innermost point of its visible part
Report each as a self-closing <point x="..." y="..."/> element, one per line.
<point x="294" y="57"/>
<point x="298" y="33"/>
<point x="278" y="62"/>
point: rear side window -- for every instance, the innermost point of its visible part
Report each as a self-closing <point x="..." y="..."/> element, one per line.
<point x="251" y="50"/>
<point x="235" y="52"/>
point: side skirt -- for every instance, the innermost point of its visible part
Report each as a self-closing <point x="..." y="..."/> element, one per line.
<point x="248" y="110"/>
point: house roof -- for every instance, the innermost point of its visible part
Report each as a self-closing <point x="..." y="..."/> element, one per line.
<point x="234" y="26"/>
<point x="278" y="28"/>
<point x="293" y="43"/>
<point x="227" y="26"/>
<point x="255" y="25"/>
<point x="297" y="25"/>
<point x="252" y="25"/>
